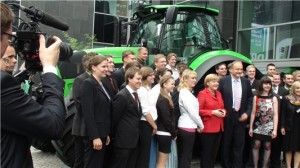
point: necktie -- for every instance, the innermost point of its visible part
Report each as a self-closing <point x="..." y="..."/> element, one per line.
<point x="112" y="82"/>
<point x="136" y="98"/>
<point x="237" y="100"/>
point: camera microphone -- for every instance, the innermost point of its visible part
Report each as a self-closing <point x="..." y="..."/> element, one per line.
<point x="43" y="17"/>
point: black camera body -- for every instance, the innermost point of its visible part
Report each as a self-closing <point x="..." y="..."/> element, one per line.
<point x="27" y="46"/>
<point x="28" y="33"/>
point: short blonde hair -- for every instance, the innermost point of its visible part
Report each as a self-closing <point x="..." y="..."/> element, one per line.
<point x="157" y="57"/>
<point x="250" y="66"/>
<point x="210" y="77"/>
<point x="185" y="74"/>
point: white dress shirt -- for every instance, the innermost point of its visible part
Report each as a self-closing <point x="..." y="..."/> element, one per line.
<point x="143" y="93"/>
<point x="175" y="72"/>
<point x="153" y="96"/>
<point x="189" y="109"/>
<point x="233" y="89"/>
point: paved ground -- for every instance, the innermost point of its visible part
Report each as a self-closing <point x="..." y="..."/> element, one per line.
<point x="50" y="160"/>
<point x="46" y="160"/>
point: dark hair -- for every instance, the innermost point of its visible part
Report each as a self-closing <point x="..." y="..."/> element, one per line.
<point x="7" y="17"/>
<point x="219" y="64"/>
<point x="86" y="60"/>
<point x="126" y="53"/>
<point x="181" y="66"/>
<point x="260" y="89"/>
<point x="130" y="73"/>
<point x="161" y="72"/>
<point x="271" y="64"/>
<point x="284" y="76"/>
<point x="133" y="64"/>
<point x="96" y="60"/>
<point x="108" y="56"/>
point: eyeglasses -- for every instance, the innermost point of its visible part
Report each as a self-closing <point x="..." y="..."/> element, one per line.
<point x="11" y="38"/>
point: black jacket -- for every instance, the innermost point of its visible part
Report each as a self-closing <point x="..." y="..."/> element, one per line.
<point x="22" y="118"/>
<point x="126" y="118"/>
<point x="93" y="116"/>
<point x="119" y="76"/>
<point x="166" y="116"/>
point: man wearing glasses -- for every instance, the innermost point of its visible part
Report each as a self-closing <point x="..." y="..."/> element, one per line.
<point x="8" y="61"/>
<point x="22" y="118"/>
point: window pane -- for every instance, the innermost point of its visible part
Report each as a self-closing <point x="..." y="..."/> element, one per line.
<point x="267" y="12"/>
<point x="288" y="41"/>
<point x="257" y="43"/>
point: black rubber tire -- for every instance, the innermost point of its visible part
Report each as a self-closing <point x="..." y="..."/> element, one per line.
<point x="65" y="147"/>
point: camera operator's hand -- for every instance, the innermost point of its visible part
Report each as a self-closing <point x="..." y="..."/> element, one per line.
<point x="49" y="56"/>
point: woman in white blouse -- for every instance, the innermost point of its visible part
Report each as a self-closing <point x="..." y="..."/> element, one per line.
<point x="147" y="124"/>
<point x="189" y="122"/>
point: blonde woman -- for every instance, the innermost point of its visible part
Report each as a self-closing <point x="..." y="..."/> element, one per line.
<point x="166" y="120"/>
<point x="212" y="112"/>
<point x="290" y="125"/>
<point x="189" y="121"/>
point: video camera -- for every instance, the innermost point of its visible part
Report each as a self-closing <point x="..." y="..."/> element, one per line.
<point x="27" y="37"/>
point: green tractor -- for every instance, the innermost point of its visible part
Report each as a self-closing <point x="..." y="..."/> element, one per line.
<point x="189" y="31"/>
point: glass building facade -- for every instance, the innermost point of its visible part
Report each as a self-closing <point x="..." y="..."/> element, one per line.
<point x="268" y="31"/>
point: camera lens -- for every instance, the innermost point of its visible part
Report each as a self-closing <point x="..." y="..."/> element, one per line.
<point x="65" y="52"/>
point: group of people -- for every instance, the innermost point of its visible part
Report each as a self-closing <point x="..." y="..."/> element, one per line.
<point x="132" y="117"/>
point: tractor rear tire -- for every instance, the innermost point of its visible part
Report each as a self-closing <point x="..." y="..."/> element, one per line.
<point x="65" y="147"/>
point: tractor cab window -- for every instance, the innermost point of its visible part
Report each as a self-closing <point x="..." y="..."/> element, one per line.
<point x="192" y="34"/>
<point x="187" y="36"/>
<point x="148" y="32"/>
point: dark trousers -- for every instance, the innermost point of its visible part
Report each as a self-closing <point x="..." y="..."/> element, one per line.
<point x="233" y="141"/>
<point x="275" y="161"/>
<point x="185" y="148"/>
<point x="93" y="158"/>
<point x="79" y="152"/>
<point x="124" y="157"/>
<point x="143" y="157"/>
<point x="209" y="148"/>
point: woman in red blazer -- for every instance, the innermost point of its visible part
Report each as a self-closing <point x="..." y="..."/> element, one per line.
<point x="212" y="113"/>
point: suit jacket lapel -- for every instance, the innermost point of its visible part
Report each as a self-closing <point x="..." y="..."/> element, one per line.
<point x="133" y="101"/>
<point x="210" y="94"/>
<point x="99" y="87"/>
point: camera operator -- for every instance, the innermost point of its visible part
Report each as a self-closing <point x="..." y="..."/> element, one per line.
<point x="22" y="118"/>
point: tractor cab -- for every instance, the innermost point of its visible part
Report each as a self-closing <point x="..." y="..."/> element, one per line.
<point x="186" y="30"/>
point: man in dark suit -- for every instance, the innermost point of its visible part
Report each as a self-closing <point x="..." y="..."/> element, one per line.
<point x="22" y="117"/>
<point x="77" y="130"/>
<point x="127" y="56"/>
<point x="109" y="82"/>
<point x="126" y="115"/>
<point x="237" y="96"/>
